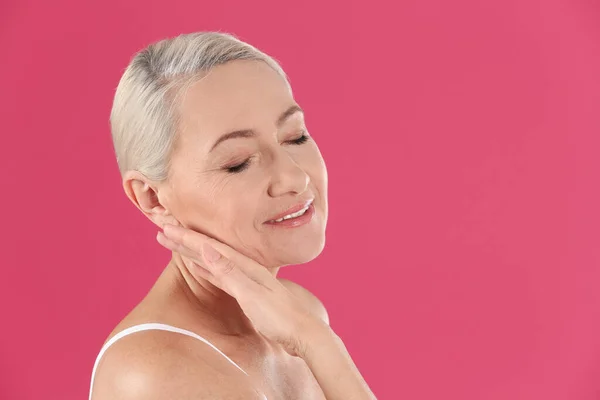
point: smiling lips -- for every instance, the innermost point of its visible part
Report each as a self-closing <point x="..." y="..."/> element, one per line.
<point x="294" y="216"/>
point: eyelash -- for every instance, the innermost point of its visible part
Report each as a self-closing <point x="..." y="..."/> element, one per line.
<point x="241" y="167"/>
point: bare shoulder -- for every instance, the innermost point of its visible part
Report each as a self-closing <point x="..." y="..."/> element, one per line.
<point x="309" y="298"/>
<point x="159" y="365"/>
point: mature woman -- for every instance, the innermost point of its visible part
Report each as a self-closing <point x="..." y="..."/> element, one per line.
<point x="214" y="150"/>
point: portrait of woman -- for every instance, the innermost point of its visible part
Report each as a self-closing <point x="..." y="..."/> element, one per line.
<point x="214" y="150"/>
<point x="318" y="200"/>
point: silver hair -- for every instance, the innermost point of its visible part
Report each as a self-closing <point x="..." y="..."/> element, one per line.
<point x="143" y="119"/>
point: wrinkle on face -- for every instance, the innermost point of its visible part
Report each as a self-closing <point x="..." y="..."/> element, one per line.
<point x="232" y="207"/>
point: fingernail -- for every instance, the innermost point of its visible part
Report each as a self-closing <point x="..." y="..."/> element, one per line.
<point x="167" y="228"/>
<point x="210" y="254"/>
<point x="162" y="239"/>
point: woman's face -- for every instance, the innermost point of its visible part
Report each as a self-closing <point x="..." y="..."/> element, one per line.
<point x="244" y="158"/>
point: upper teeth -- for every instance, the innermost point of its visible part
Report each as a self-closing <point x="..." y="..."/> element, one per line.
<point x="294" y="215"/>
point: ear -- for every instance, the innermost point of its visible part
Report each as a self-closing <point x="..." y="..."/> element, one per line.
<point x="143" y="193"/>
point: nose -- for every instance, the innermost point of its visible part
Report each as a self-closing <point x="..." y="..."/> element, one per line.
<point x="287" y="176"/>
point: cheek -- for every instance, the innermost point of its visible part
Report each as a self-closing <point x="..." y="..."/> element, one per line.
<point x="212" y="219"/>
<point x="197" y="206"/>
<point x="232" y="211"/>
<point x="232" y="221"/>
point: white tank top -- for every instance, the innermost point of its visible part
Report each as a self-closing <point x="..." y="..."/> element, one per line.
<point x="156" y="326"/>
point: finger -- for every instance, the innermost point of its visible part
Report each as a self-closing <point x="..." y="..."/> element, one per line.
<point x="197" y="269"/>
<point x="194" y="241"/>
<point x="228" y="274"/>
<point x="222" y="273"/>
<point x="168" y="243"/>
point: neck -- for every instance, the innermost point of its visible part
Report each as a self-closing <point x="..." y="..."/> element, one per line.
<point x="220" y="310"/>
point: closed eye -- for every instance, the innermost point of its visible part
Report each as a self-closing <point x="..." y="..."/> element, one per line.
<point x="239" y="167"/>
<point x="302" y="139"/>
<point x="234" y="169"/>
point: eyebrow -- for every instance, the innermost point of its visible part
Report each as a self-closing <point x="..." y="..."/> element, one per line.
<point x="247" y="133"/>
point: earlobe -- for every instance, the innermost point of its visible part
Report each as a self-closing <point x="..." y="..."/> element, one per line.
<point x="166" y="218"/>
<point x="158" y="214"/>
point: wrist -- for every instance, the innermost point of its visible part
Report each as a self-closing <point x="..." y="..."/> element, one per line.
<point x="316" y="337"/>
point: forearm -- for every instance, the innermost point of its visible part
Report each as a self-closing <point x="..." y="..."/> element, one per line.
<point x="331" y="364"/>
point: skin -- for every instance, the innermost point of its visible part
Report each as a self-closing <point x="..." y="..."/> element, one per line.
<point x="230" y="208"/>
<point x="277" y="313"/>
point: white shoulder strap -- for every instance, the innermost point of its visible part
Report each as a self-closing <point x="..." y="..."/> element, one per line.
<point x="146" y="327"/>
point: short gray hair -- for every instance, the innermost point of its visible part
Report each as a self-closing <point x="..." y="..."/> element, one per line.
<point x="143" y="119"/>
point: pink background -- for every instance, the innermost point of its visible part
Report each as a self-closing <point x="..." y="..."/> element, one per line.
<point x="462" y="143"/>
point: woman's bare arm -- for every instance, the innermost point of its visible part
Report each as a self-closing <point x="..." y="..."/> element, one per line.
<point x="331" y="364"/>
<point x="326" y="355"/>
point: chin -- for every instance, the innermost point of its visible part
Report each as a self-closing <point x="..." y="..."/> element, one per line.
<point x="303" y="253"/>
